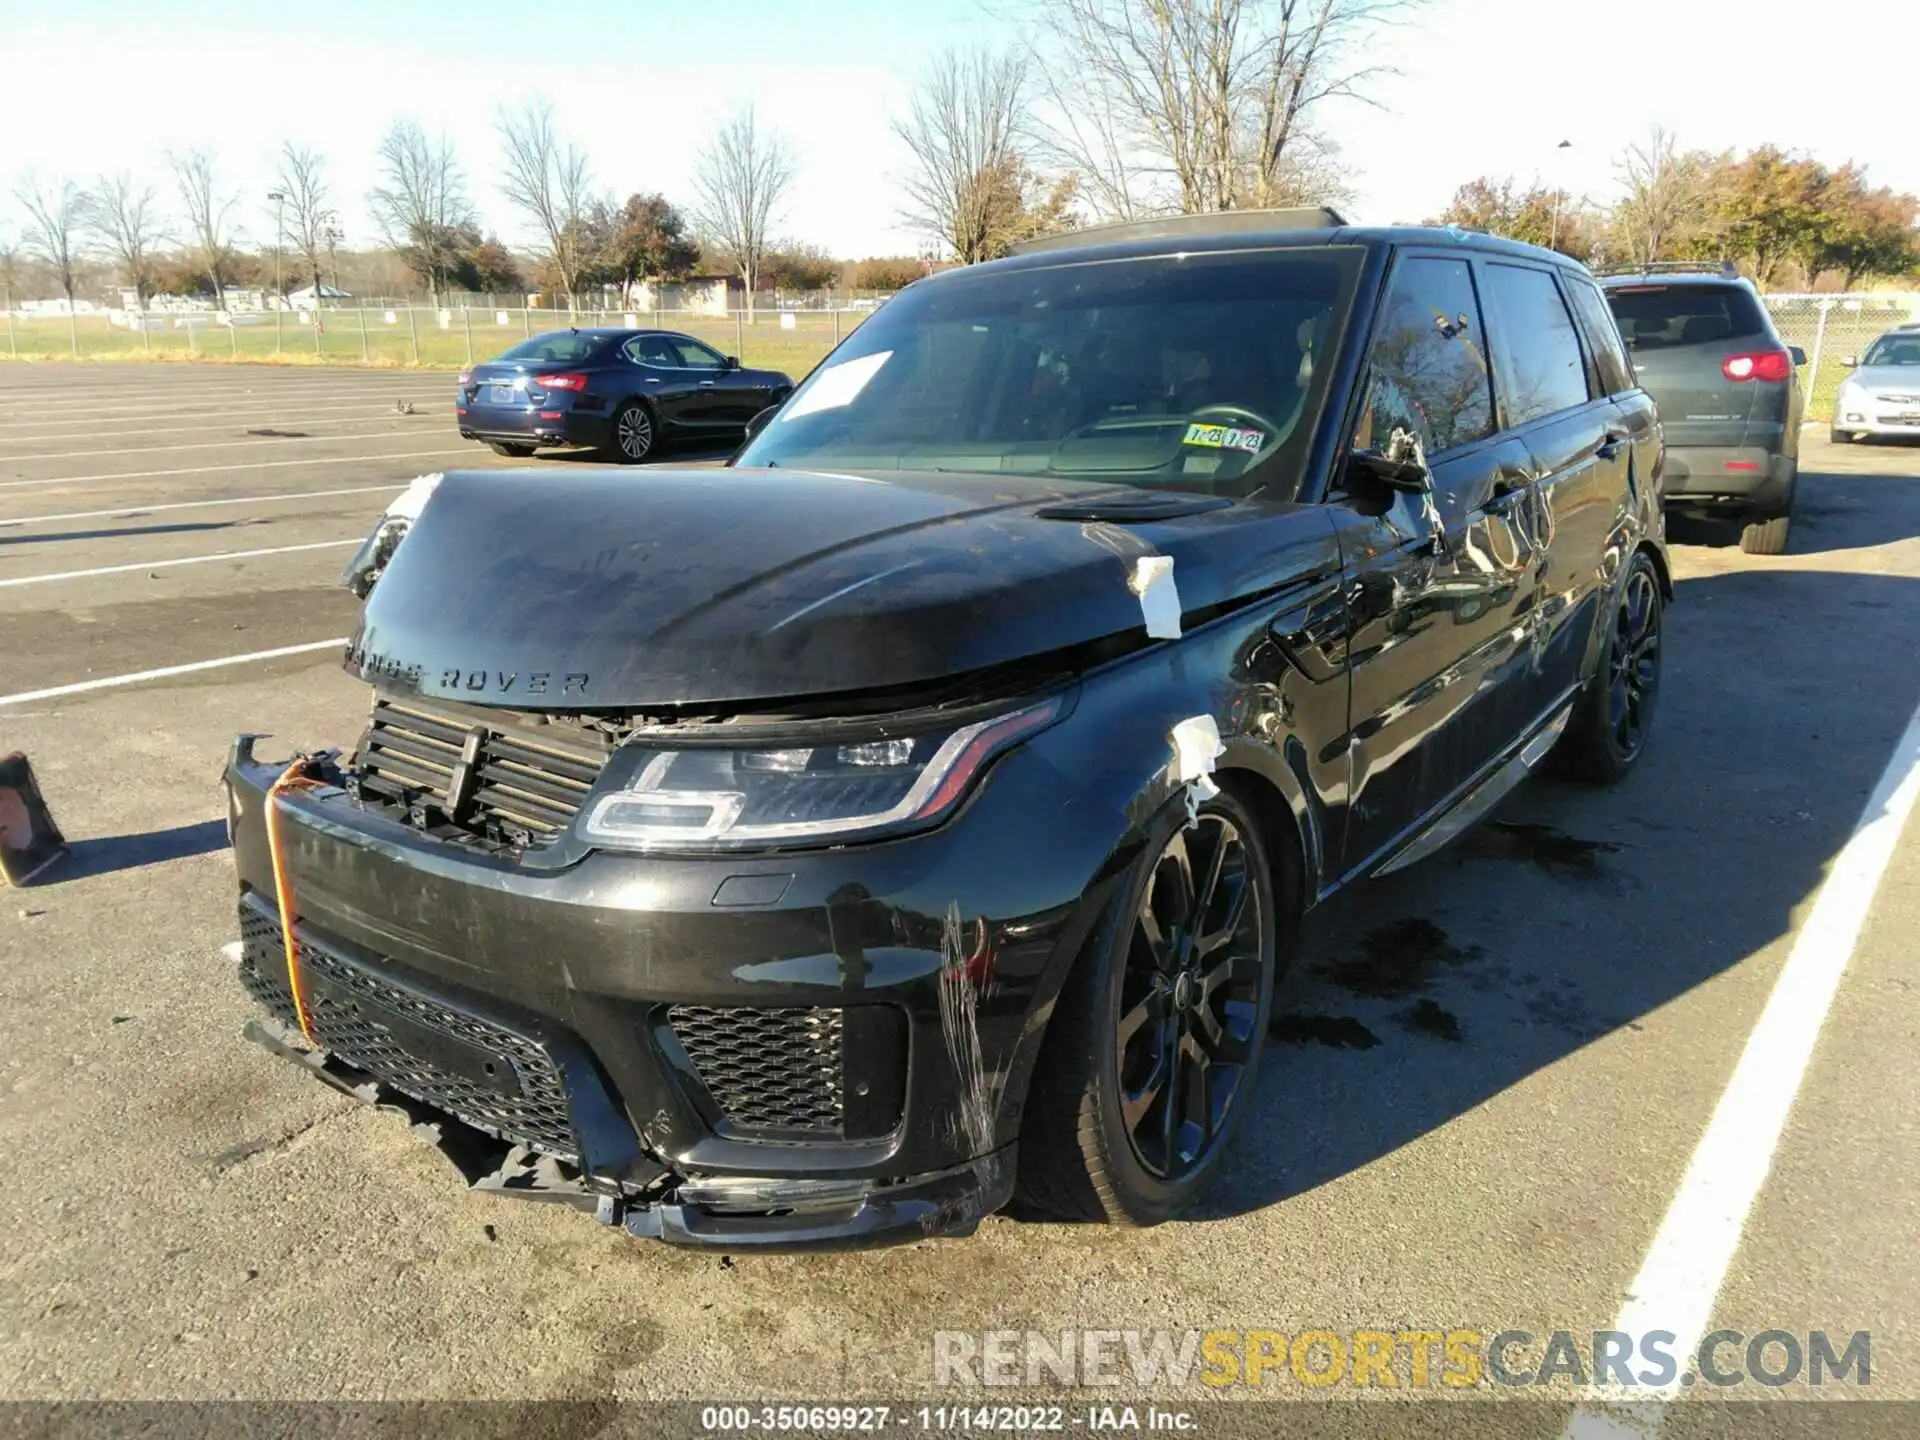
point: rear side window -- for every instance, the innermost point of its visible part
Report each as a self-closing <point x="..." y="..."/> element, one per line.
<point x="1608" y="355"/>
<point x="1659" y="317"/>
<point x="1537" y="351"/>
<point x="560" y="345"/>
<point x="1429" y="368"/>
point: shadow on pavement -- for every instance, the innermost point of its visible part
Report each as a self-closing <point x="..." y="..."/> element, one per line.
<point x="1578" y="911"/>
<point x="110" y="534"/>
<point x="113" y="853"/>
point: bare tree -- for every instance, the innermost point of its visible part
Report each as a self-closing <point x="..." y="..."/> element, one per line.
<point x="739" y="179"/>
<point x="124" y="216"/>
<point x="209" y="214"/>
<point x="1201" y="105"/>
<point x="551" y="181"/>
<point x="963" y="128"/>
<point x="1668" y="196"/>
<point x="56" y="216"/>
<point x="300" y="174"/>
<point x="422" y="204"/>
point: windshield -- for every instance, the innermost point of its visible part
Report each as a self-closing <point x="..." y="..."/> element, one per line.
<point x="558" y="345"/>
<point x="1197" y="373"/>
<point x="1894" y="350"/>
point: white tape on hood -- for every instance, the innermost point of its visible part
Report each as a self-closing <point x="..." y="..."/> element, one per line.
<point x="1196" y="745"/>
<point x="1152" y="581"/>
<point x="411" y="501"/>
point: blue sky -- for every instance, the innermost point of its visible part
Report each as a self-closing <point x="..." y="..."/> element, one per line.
<point x="1485" y="86"/>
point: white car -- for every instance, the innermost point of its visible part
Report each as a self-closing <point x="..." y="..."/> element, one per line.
<point x="1882" y="395"/>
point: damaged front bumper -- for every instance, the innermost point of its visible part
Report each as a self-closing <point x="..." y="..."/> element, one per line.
<point x="745" y="1213"/>
<point x="754" y="1053"/>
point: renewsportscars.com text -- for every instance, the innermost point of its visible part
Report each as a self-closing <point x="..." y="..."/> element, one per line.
<point x="1457" y="1358"/>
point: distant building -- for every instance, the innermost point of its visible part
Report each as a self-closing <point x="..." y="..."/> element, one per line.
<point x="303" y="298"/>
<point x="699" y="294"/>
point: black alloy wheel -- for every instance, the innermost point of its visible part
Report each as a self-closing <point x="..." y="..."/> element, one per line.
<point x="1190" y="997"/>
<point x="1149" y="1061"/>
<point x="1633" y="663"/>
<point x="1608" y="729"/>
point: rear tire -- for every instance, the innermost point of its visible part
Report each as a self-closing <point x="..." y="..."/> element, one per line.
<point x="1766" y="537"/>
<point x="630" y="439"/>
<point x="1152" y="1054"/>
<point x="1607" y="732"/>
<point x="510" y="448"/>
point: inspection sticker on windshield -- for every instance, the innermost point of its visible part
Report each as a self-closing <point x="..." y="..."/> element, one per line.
<point x="1225" y="437"/>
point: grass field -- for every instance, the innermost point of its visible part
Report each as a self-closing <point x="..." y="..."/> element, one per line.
<point x="410" y="338"/>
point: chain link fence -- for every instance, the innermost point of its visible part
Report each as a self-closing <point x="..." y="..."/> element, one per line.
<point x="780" y="337"/>
<point x="1833" y="329"/>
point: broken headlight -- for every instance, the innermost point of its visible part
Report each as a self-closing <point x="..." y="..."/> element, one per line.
<point x="710" y="797"/>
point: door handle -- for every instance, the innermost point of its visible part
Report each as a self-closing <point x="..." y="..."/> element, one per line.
<point x="1507" y="491"/>
<point x="706" y="384"/>
<point x="1610" y="446"/>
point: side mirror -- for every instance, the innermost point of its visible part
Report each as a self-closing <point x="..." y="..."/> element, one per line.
<point x="733" y="362"/>
<point x="760" y="421"/>
<point x="1797" y="355"/>
<point x="1852" y="362"/>
<point x="1407" y="476"/>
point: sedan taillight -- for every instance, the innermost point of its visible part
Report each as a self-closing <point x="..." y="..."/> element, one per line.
<point x="571" y="380"/>
<point x="1758" y="365"/>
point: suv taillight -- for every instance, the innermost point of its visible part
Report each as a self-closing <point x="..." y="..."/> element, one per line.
<point x="1758" y="365"/>
<point x="571" y="380"/>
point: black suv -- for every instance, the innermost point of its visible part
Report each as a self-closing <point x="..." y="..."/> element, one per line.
<point x="1729" y="395"/>
<point x="816" y="851"/>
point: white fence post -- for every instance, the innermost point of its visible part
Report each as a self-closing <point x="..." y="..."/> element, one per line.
<point x="1819" y="341"/>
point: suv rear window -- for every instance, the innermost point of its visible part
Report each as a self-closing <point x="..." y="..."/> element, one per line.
<point x="1658" y="317"/>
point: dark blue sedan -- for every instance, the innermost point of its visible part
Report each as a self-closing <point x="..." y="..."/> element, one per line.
<point x="621" y="392"/>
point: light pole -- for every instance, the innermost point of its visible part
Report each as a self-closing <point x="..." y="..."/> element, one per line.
<point x="279" y="199"/>
<point x="1553" y="240"/>
<point x="334" y="236"/>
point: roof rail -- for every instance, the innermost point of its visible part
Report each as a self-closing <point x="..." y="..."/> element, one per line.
<point x="1672" y="267"/>
<point x="1224" y="222"/>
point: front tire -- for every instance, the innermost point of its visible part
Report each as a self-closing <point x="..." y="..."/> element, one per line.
<point x="631" y="438"/>
<point x="510" y="448"/>
<point x="1152" y="1052"/>
<point x="1608" y="729"/>
<point x="1840" y="437"/>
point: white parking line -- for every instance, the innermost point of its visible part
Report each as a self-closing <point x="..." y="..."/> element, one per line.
<point x="8" y="524"/>
<point x="1684" y="1267"/>
<point x="217" y="469"/>
<point x="88" y="417"/>
<point x="254" y="440"/>
<point x="168" y="564"/>
<point x="289" y="414"/>
<point x="128" y="401"/>
<point x="109" y="682"/>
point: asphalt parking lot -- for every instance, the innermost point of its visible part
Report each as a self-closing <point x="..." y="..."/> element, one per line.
<point x="1494" y="1070"/>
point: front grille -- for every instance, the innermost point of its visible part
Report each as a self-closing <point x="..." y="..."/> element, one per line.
<point x="768" y="1069"/>
<point x="487" y="776"/>
<point x="345" y="1005"/>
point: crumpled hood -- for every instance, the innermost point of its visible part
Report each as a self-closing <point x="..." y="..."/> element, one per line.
<point x="620" y="589"/>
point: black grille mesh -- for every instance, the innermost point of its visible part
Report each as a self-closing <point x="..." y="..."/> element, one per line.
<point x="537" y="1117"/>
<point x="531" y="787"/>
<point x="768" y="1069"/>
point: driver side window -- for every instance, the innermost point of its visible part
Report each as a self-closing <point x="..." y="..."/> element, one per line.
<point x="695" y="356"/>
<point x="1428" y="373"/>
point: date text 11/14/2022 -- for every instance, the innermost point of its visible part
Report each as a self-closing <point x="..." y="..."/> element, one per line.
<point x="963" y="1419"/>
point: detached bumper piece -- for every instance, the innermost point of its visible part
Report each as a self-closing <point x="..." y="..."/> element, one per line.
<point x="526" y="1115"/>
